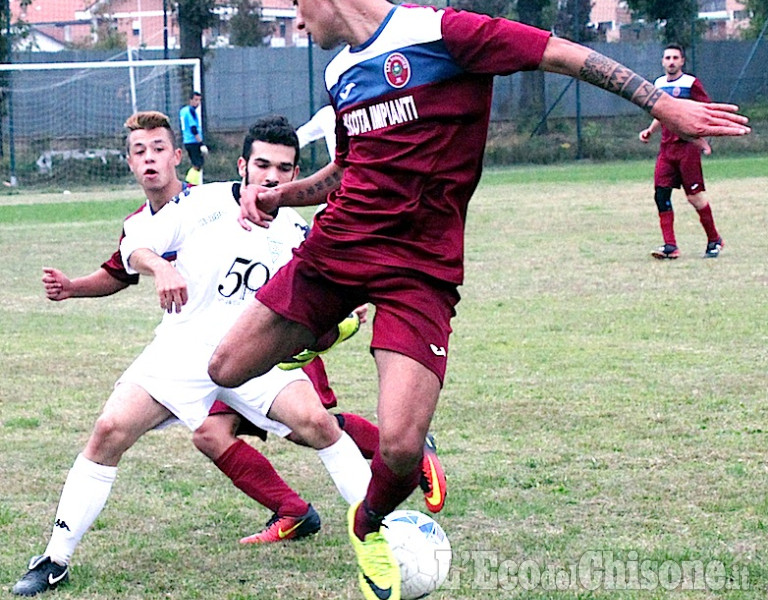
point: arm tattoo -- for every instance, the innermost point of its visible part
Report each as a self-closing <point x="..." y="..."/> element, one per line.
<point x="317" y="193"/>
<point x="617" y="79"/>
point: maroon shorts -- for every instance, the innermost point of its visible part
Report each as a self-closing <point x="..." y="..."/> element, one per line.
<point x="317" y="375"/>
<point x="413" y="312"/>
<point x="245" y="427"/>
<point x="679" y="164"/>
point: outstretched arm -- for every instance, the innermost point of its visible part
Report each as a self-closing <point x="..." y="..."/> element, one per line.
<point x="99" y="283"/>
<point x="257" y="202"/>
<point x="171" y="287"/>
<point x="686" y="118"/>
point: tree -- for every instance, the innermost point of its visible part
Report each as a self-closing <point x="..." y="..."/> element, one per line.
<point x="195" y="16"/>
<point x="572" y="20"/>
<point x="19" y="28"/>
<point x="678" y="18"/>
<point x="759" y="10"/>
<point x="10" y="30"/>
<point x="246" y="27"/>
<point x="532" y="92"/>
<point x="106" y="35"/>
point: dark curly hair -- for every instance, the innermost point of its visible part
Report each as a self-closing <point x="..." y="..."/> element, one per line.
<point x="272" y="130"/>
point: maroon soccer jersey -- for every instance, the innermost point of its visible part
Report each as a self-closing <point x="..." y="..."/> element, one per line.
<point x="415" y="101"/>
<point x="685" y="86"/>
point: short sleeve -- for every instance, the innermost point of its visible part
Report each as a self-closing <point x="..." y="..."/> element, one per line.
<point x="698" y="93"/>
<point x="114" y="266"/>
<point x="481" y="44"/>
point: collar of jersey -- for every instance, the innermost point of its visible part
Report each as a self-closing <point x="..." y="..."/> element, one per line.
<point x="376" y="33"/>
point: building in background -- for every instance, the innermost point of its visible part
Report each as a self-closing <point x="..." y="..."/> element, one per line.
<point x="59" y="24"/>
<point x="724" y="19"/>
<point x="608" y="17"/>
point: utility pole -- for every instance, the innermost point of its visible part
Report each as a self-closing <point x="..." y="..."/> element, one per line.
<point x="165" y="57"/>
<point x="9" y="96"/>
<point x="311" y="83"/>
<point x="577" y="38"/>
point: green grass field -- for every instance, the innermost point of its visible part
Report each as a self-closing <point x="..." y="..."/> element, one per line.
<point x="604" y="418"/>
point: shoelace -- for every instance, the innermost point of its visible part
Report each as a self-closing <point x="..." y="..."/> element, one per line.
<point x="376" y="563"/>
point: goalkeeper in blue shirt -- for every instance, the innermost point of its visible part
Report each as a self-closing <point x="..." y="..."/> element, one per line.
<point x="192" y="138"/>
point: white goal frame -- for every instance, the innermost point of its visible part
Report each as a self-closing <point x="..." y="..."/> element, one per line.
<point x="131" y="66"/>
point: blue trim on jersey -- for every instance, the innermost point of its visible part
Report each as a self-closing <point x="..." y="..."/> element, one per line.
<point x="684" y="92"/>
<point x="185" y="191"/>
<point x="365" y="81"/>
<point x="682" y="85"/>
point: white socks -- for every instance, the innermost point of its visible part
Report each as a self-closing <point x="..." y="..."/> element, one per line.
<point x="347" y="467"/>
<point x="82" y="499"/>
<point x="89" y="484"/>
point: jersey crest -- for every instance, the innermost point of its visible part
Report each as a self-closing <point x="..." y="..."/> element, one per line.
<point x="397" y="70"/>
<point x="679" y="88"/>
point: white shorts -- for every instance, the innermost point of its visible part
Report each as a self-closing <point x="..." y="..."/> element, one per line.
<point x="174" y="371"/>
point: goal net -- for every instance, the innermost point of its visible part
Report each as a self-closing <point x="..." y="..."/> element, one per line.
<point x="62" y="123"/>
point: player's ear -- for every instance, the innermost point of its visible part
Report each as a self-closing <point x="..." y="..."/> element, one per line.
<point x="295" y="172"/>
<point x="177" y="156"/>
<point x="241" y="164"/>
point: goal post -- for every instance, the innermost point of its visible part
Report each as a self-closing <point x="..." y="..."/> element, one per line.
<point x="62" y="123"/>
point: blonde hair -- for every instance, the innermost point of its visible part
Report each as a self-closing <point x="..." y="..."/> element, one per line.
<point x="148" y="119"/>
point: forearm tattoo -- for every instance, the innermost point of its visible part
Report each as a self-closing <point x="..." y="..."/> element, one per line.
<point x="317" y="192"/>
<point x="617" y="79"/>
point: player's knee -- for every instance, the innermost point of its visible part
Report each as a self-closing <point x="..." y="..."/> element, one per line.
<point x="315" y="428"/>
<point x="109" y="439"/>
<point x="216" y="434"/>
<point x="698" y="201"/>
<point x="663" y="198"/>
<point x="220" y="370"/>
<point x="401" y="452"/>
<point x="204" y="440"/>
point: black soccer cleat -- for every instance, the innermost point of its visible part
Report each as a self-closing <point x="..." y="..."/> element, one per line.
<point x="667" y="251"/>
<point x="43" y="575"/>
<point x="713" y="248"/>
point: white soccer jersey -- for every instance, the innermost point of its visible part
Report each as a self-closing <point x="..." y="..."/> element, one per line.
<point x="222" y="263"/>
<point x="321" y="125"/>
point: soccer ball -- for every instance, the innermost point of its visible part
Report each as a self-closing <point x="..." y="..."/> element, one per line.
<point x="421" y="548"/>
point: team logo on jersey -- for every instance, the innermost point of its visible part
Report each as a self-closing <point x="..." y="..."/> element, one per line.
<point x="676" y="91"/>
<point x="397" y="70"/>
<point x="344" y="94"/>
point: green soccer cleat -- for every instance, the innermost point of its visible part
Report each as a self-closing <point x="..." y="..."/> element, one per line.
<point x="378" y="572"/>
<point x="347" y="328"/>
